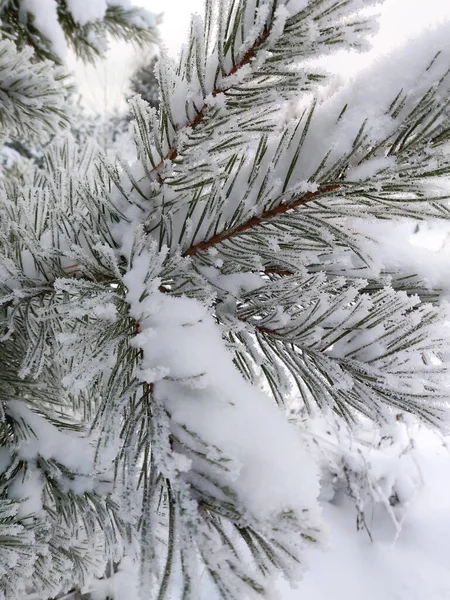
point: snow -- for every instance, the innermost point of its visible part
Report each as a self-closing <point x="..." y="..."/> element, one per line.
<point x="370" y="168"/>
<point x="107" y="311"/>
<point x="282" y="13"/>
<point x="201" y="406"/>
<point x="295" y="6"/>
<point x="88" y="11"/>
<point x="400" y="248"/>
<point x="139" y="17"/>
<point x="28" y="489"/>
<point x="414" y="567"/>
<point x="121" y="586"/>
<point x="413" y="69"/>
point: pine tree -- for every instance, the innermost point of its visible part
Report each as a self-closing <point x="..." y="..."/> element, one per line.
<point x="155" y="314"/>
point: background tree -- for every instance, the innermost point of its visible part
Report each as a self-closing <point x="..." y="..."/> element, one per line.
<point x="53" y="26"/>
<point x="50" y="509"/>
<point x="144" y="82"/>
<point x="48" y="31"/>
<point x="155" y="314"/>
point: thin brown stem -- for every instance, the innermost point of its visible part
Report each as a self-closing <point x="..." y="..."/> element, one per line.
<point x="260" y="328"/>
<point x="258" y="221"/>
<point x="280" y="272"/>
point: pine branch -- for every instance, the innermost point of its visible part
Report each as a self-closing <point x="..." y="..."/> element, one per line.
<point x="245" y="60"/>
<point x="259" y="221"/>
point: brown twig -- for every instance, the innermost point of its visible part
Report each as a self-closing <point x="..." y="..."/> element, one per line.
<point x="265" y="330"/>
<point x="260" y="328"/>
<point x="248" y="56"/>
<point x="280" y="272"/>
<point x="258" y="221"/>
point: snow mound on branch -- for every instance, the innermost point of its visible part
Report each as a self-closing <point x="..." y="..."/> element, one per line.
<point x="412" y="71"/>
<point x="186" y="360"/>
<point x="84" y="12"/>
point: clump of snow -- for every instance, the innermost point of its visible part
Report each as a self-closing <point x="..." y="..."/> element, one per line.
<point x="139" y="17"/>
<point x="369" y="168"/>
<point x="106" y="311"/>
<point x="85" y="12"/>
<point x="412" y="70"/>
<point x="46" y="20"/>
<point x="282" y="13"/>
<point x="413" y="567"/>
<point x="233" y="283"/>
<point x="295" y="6"/>
<point x="48" y="441"/>
<point x="216" y="100"/>
<point x="28" y="488"/>
<point x="401" y="248"/>
<point x="376" y="468"/>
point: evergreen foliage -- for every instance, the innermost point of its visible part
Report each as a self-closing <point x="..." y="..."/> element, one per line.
<point x="155" y="314"/>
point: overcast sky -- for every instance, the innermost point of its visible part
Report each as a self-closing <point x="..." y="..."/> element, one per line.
<point x="103" y="86"/>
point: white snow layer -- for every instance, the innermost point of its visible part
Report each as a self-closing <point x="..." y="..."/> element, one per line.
<point x="186" y="359"/>
<point x="88" y="11"/>
<point x="47" y="441"/>
<point x="401" y="248"/>
<point x="83" y="12"/>
<point x="414" y="567"/>
<point x="123" y="585"/>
